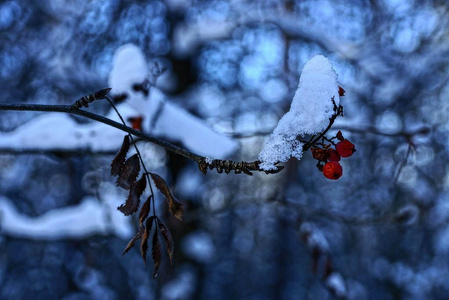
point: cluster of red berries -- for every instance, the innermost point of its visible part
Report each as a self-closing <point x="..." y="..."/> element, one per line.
<point x="328" y="157"/>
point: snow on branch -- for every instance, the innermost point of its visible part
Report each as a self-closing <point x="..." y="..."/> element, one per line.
<point x="310" y="111"/>
<point x="131" y="80"/>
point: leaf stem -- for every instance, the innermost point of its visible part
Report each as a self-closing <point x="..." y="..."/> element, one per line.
<point x="137" y="150"/>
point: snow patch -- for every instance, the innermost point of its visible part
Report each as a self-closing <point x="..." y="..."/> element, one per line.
<point x="315" y="239"/>
<point x="88" y="218"/>
<point x="337" y="284"/>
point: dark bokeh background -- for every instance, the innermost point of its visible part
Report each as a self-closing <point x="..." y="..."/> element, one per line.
<point x="236" y="65"/>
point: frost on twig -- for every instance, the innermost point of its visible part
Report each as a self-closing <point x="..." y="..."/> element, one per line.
<point x="310" y="111"/>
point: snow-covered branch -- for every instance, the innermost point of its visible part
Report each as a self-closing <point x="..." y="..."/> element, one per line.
<point x="313" y="111"/>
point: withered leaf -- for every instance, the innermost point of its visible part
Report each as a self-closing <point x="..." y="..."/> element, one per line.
<point x="174" y="206"/>
<point x="132" y="202"/>
<point x="128" y="172"/>
<point x="119" y="159"/>
<point x="168" y="239"/>
<point x="146" y="235"/>
<point x="156" y="253"/>
<point x="145" y="210"/>
<point x="133" y="241"/>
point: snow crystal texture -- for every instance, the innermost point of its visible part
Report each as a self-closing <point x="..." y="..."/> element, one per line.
<point x="309" y="113"/>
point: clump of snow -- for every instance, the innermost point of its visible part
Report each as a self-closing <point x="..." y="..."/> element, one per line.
<point x="89" y="217"/>
<point x="315" y="239"/>
<point x="199" y="246"/>
<point x="337" y="284"/>
<point x="128" y="68"/>
<point x="309" y="113"/>
<point x="182" y="286"/>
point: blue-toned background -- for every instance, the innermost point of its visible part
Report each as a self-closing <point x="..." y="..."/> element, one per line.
<point x="383" y="227"/>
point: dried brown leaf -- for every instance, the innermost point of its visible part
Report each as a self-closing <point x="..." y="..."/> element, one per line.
<point x="133" y="241"/>
<point x="145" y="210"/>
<point x="146" y="235"/>
<point x="119" y="159"/>
<point x="132" y="202"/>
<point x="174" y="206"/>
<point x="166" y="234"/>
<point x="128" y="172"/>
<point x="156" y="253"/>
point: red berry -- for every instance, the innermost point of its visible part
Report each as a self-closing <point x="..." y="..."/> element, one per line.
<point x="332" y="170"/>
<point x="333" y="155"/>
<point x="341" y="91"/>
<point x="319" y="154"/>
<point x="345" y="148"/>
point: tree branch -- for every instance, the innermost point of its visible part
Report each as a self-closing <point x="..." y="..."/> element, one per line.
<point x="73" y="110"/>
<point x="408" y="135"/>
<point x="203" y="162"/>
<point x="363" y="129"/>
<point x="57" y="152"/>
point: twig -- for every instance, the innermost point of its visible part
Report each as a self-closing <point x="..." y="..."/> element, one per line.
<point x="238" y="135"/>
<point x="72" y="110"/>
<point x="370" y="129"/>
<point x="203" y="162"/>
<point x="338" y="111"/>
<point x="360" y="130"/>
<point x="55" y="151"/>
<point x="349" y="220"/>
<point x="137" y="150"/>
<point x="328" y="215"/>
<point x="409" y="151"/>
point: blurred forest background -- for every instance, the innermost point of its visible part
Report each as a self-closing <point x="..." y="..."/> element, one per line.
<point x="382" y="229"/>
